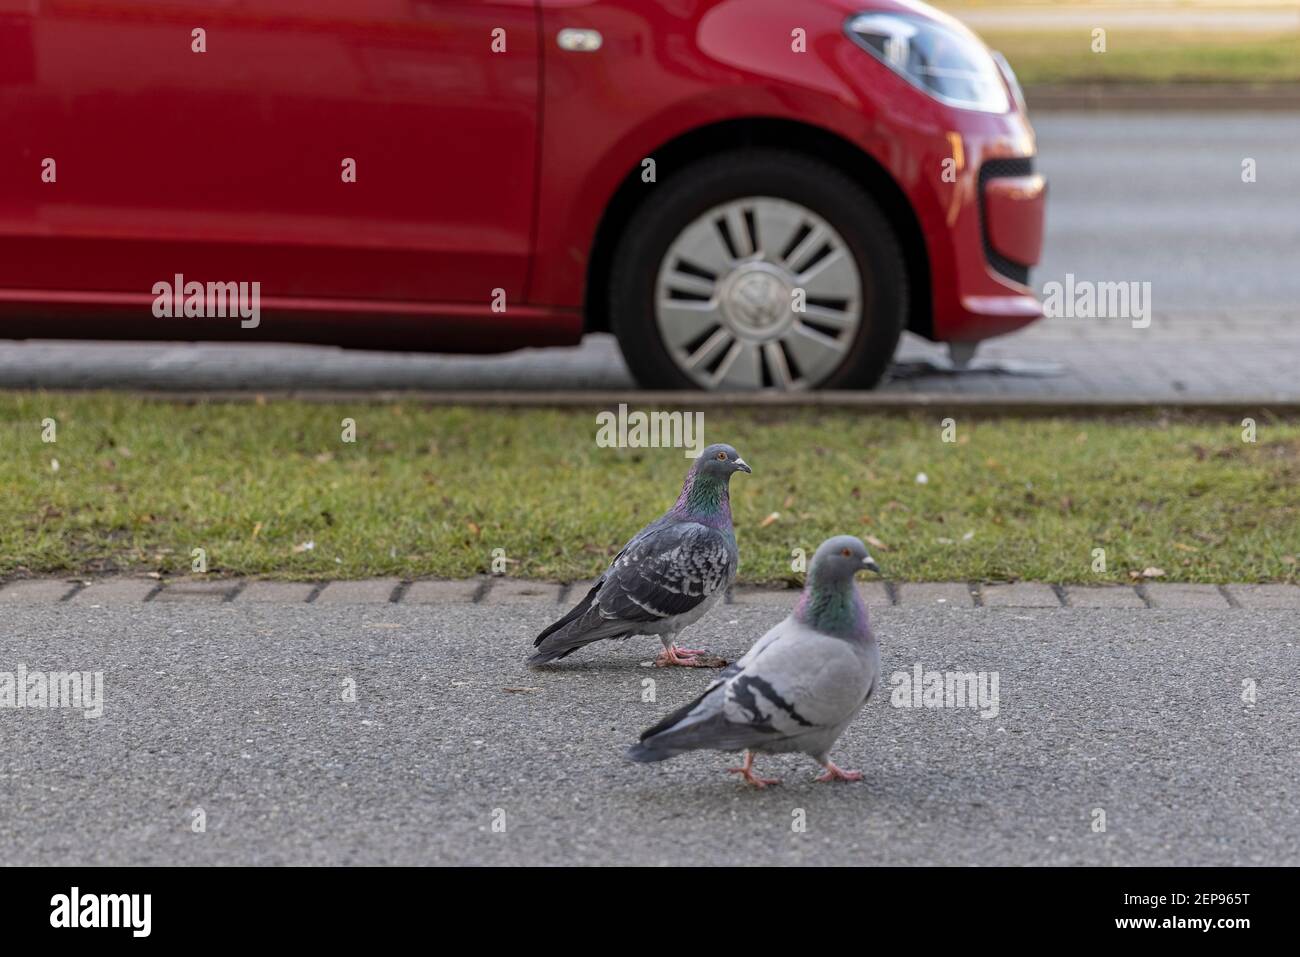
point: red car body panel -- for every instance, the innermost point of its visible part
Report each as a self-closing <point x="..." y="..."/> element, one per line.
<point x="482" y="175"/>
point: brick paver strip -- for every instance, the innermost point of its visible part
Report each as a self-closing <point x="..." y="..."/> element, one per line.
<point x="33" y="591"/>
<point x="509" y="591"/>
<point x="278" y="592"/>
<point x="952" y="594"/>
<point x="1020" y="595"/>
<point x="1266" y="596"/>
<point x="204" y="591"/>
<point x="374" y="591"/>
<point x="1169" y="595"/>
<point x="1104" y="596"/>
<point x="441" y="592"/>
<point x="115" y="591"/>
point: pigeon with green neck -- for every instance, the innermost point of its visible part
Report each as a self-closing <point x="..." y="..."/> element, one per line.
<point x="797" y="688"/>
<point x="667" y="577"/>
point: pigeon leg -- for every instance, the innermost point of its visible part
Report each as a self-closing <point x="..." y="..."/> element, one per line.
<point x="746" y="770"/>
<point x="689" y="651"/>
<point x="838" y="774"/>
<point x="672" y="655"/>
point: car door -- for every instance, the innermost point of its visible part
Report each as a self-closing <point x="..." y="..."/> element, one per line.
<point x="332" y="149"/>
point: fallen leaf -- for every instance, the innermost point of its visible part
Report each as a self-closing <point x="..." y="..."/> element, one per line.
<point x="1153" y="572"/>
<point x="771" y="518"/>
<point x="473" y="528"/>
<point x="877" y="543"/>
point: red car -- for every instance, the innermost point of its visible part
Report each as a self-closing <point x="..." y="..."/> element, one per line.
<point x="747" y="193"/>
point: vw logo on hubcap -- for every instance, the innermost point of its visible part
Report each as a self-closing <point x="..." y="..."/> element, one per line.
<point x="756" y="301"/>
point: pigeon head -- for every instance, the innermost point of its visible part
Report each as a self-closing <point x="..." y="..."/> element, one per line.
<point x="830" y="603"/>
<point x="838" y="559"/>
<point x="704" y="495"/>
<point x="720" y="461"/>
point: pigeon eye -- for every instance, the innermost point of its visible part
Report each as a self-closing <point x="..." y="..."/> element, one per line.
<point x="847" y="553"/>
<point x="722" y="456"/>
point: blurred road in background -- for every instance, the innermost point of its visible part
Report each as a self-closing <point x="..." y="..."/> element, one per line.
<point x="1137" y="197"/>
<point x="1209" y="17"/>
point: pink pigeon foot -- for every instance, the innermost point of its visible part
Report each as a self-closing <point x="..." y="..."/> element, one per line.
<point x="672" y="655"/>
<point x="836" y="774"/>
<point x="746" y="770"/>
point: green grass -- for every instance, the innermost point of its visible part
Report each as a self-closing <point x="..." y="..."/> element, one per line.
<point x="1143" y="57"/>
<point x="432" y="491"/>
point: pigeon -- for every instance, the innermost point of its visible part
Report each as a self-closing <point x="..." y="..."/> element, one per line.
<point x="666" y="578"/>
<point x="797" y="688"/>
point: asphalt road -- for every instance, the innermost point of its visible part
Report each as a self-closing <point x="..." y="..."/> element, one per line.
<point x="1140" y="197"/>
<point x="238" y="709"/>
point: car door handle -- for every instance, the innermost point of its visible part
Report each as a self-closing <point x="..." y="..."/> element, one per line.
<point x="579" y="41"/>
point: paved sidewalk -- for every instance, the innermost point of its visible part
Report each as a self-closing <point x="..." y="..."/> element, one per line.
<point x="126" y="590"/>
<point x="399" y="733"/>
<point x="1206" y="357"/>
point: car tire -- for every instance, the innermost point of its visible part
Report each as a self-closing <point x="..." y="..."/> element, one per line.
<point x="761" y="186"/>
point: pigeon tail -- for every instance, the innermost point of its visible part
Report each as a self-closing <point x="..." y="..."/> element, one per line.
<point x="581" y="626"/>
<point x="643" y="754"/>
<point x="698" y="724"/>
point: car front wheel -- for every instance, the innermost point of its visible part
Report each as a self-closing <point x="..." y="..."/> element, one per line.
<point x="761" y="270"/>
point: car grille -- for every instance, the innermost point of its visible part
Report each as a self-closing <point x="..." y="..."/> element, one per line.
<point x="993" y="169"/>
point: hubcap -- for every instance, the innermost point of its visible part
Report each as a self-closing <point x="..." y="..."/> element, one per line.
<point x="758" y="293"/>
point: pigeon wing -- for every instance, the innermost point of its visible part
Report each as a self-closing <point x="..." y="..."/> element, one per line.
<point x="797" y="682"/>
<point x="666" y="573"/>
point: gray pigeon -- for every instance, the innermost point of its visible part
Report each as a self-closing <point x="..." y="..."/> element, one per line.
<point x="671" y="573"/>
<point x="800" y="685"/>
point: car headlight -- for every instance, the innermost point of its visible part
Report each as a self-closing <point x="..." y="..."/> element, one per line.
<point x="952" y="66"/>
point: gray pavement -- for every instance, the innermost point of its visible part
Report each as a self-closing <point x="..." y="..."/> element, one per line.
<point x="238" y="708"/>
<point x="1134" y="197"/>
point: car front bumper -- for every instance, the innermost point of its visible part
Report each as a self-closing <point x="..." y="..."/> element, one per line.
<point x="993" y="218"/>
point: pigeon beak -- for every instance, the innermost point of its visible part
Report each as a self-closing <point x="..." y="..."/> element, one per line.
<point x="870" y="565"/>
<point x="743" y="466"/>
